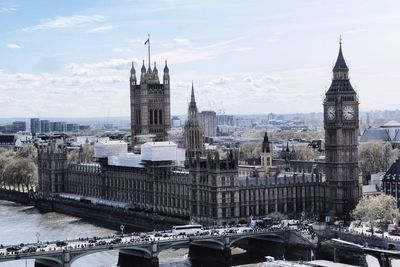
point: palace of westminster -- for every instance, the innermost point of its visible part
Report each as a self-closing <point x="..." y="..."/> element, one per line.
<point x="206" y="186"/>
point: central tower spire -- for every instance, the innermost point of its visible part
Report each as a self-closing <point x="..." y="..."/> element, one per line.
<point x="193" y="130"/>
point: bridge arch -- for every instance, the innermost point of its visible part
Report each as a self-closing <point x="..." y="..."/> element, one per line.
<point x="219" y="244"/>
<point x="257" y="236"/>
<point x="54" y="260"/>
<point x="75" y="256"/>
<point x="171" y="245"/>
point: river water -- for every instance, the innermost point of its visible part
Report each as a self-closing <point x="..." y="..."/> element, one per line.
<point x="20" y="224"/>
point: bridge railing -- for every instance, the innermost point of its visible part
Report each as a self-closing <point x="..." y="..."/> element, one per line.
<point x="85" y="246"/>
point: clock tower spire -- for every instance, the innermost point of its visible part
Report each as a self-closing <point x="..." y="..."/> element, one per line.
<point x="341" y="143"/>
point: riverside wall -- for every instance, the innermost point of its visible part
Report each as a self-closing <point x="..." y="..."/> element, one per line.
<point x="103" y="215"/>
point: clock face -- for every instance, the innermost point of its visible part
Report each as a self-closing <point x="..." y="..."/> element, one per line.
<point x="330" y="112"/>
<point x="348" y="112"/>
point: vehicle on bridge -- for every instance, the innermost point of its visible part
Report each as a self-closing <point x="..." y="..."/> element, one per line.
<point x="262" y="223"/>
<point x="189" y="229"/>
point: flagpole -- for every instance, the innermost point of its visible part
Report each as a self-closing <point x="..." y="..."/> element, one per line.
<point x="148" y="47"/>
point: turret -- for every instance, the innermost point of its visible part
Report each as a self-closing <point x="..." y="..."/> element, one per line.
<point x="155" y="72"/>
<point x="166" y="74"/>
<point x="133" y="75"/>
<point x="142" y="72"/>
<point x="266" y="144"/>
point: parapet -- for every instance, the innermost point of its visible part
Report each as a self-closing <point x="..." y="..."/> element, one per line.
<point x="213" y="161"/>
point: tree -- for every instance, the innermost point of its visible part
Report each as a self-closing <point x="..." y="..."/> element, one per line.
<point x="377" y="211"/>
<point x="250" y="150"/>
<point x="303" y="152"/>
<point x="88" y="152"/>
<point x="28" y="152"/>
<point x="5" y="157"/>
<point x="73" y="156"/>
<point x="375" y="157"/>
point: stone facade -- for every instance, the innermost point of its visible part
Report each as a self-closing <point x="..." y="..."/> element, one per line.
<point x="209" y="189"/>
<point x="341" y="121"/>
<point x="150" y="103"/>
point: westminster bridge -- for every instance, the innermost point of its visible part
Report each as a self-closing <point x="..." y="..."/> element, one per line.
<point x="134" y="247"/>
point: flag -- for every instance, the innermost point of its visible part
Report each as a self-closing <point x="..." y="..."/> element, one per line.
<point x="148" y="40"/>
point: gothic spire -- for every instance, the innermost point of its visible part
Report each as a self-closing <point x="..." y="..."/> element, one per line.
<point x="166" y="69"/>
<point x="192" y="95"/>
<point x="133" y="71"/>
<point x="266" y="145"/>
<point x="340" y="82"/>
<point x="143" y="70"/>
<point x="340" y="62"/>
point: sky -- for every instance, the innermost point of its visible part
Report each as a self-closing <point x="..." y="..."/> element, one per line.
<point x="73" y="58"/>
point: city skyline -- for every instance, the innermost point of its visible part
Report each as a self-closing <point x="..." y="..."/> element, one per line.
<point x="74" y="60"/>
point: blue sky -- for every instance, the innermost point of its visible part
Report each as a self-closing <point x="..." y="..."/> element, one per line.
<point x="72" y="58"/>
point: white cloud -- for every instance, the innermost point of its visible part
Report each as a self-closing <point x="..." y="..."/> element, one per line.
<point x="176" y="42"/>
<point x="5" y="9"/>
<point x="101" y="29"/>
<point x="181" y="41"/>
<point x="13" y="46"/>
<point x="66" y="22"/>
<point x="122" y="50"/>
<point x="191" y="54"/>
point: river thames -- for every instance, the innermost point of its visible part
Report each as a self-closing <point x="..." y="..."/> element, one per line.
<point x="22" y="224"/>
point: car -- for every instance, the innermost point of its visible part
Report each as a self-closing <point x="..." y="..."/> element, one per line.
<point x="116" y="240"/>
<point x="378" y="231"/>
<point x="13" y="248"/>
<point x="30" y="249"/>
<point x="41" y="245"/>
<point x="101" y="243"/>
<point x="339" y="223"/>
<point x="61" y="243"/>
<point x="91" y="241"/>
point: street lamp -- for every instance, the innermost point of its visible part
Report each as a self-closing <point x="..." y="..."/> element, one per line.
<point x="122" y="227"/>
<point x="37" y="237"/>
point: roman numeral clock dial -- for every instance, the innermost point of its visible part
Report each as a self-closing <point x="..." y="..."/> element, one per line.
<point x="348" y="113"/>
<point x="330" y="113"/>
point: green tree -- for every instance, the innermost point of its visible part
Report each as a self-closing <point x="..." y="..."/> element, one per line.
<point x="303" y="152"/>
<point x="250" y="150"/>
<point x="27" y="152"/>
<point x="5" y="157"/>
<point x="88" y="152"/>
<point x="377" y="211"/>
<point x="375" y="157"/>
<point x="73" y="156"/>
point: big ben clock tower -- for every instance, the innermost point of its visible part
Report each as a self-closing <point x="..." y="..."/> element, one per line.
<point x="341" y="131"/>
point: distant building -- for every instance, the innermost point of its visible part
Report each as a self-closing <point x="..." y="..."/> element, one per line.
<point x="225" y="120"/>
<point x="35" y="126"/>
<point x="9" y="141"/>
<point x="72" y="127"/>
<point x="19" y="126"/>
<point x="58" y="126"/>
<point x="84" y="127"/>
<point x="208" y="121"/>
<point x="388" y="132"/>
<point x="44" y="126"/>
<point x="176" y="122"/>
